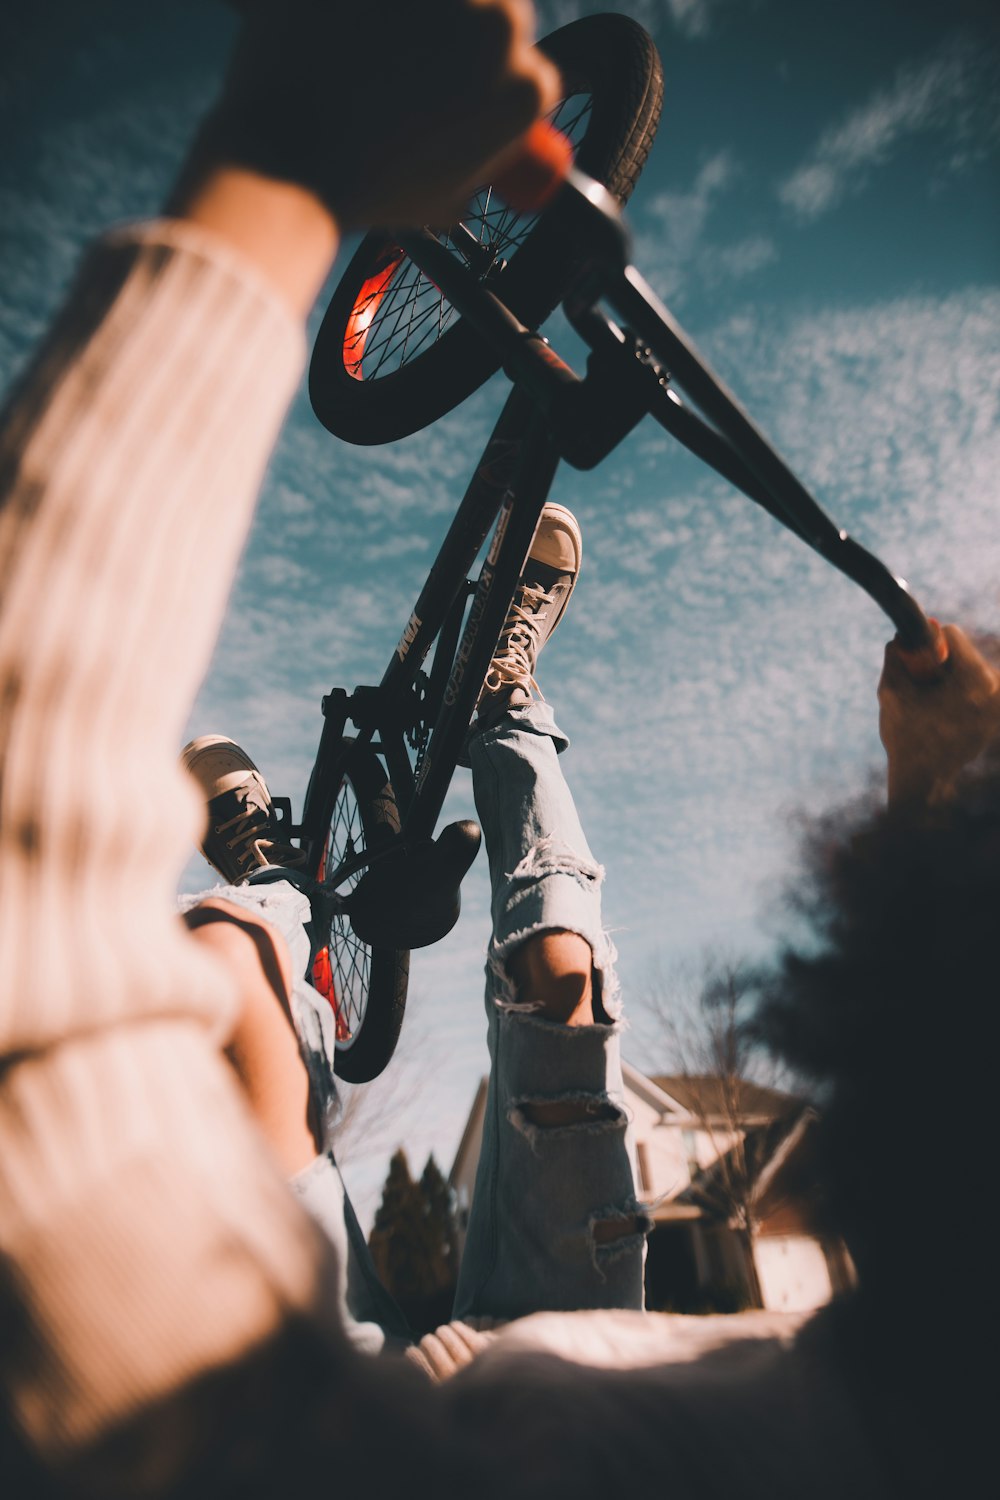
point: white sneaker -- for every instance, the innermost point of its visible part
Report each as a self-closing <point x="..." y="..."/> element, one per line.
<point x="244" y="833"/>
<point x="543" y="593"/>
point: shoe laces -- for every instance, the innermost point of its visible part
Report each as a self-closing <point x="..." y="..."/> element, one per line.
<point x="248" y="848"/>
<point x="514" y="662"/>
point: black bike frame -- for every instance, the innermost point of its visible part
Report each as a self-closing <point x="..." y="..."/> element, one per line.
<point x="433" y="710"/>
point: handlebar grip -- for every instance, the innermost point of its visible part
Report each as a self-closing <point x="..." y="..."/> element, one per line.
<point x="535" y="175"/>
<point x="926" y="663"/>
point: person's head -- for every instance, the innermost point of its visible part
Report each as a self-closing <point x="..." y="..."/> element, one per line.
<point x="886" y="999"/>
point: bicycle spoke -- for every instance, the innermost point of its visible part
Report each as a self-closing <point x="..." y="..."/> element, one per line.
<point x="486" y="209"/>
<point x="410" y="313"/>
<point x="389" y="346"/>
<point x="385" y="334"/>
<point x="386" y="347"/>
<point x="345" y="969"/>
<point x="406" y="337"/>
<point x="393" y="344"/>
<point x="350" y="958"/>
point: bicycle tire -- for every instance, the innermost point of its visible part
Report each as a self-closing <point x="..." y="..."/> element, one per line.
<point x="356" y="391"/>
<point x="365" y="986"/>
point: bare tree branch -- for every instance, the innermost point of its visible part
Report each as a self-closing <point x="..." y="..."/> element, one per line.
<point x="700" y="1019"/>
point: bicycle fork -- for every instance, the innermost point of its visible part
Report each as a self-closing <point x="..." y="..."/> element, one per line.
<point x="517" y="521"/>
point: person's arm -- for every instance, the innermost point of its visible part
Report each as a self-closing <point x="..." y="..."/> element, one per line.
<point x="131" y="455"/>
<point x="146" y="1236"/>
<point x="932" y="729"/>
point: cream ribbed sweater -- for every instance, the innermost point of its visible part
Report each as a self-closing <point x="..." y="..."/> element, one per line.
<point x="145" y="1234"/>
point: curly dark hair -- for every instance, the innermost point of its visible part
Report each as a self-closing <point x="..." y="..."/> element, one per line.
<point x="886" y="1000"/>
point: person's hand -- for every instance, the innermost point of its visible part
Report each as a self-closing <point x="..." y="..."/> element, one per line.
<point x="389" y="115"/>
<point x="933" y="729"/>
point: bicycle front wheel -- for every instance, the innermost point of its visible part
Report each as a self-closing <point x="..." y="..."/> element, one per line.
<point x="365" y="986"/>
<point x="392" y="355"/>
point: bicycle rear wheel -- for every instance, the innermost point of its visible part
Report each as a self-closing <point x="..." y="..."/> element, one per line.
<point x="365" y="986"/>
<point x="392" y="355"/>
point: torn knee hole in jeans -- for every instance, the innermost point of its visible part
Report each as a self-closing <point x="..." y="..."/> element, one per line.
<point x="553" y="856"/>
<point x="620" y="1227"/>
<point x="534" y="1117"/>
<point x="532" y="903"/>
<point x="617" y="1230"/>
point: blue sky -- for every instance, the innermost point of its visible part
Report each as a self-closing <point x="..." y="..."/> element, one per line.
<point x="821" y="212"/>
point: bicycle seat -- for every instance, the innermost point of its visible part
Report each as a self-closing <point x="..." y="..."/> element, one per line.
<point x="413" y="899"/>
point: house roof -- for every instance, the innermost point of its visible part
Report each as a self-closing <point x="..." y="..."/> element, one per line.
<point x="647" y="1089"/>
<point x="693" y="1100"/>
<point x="771" y="1150"/>
<point x="701" y="1094"/>
<point x="464" y="1145"/>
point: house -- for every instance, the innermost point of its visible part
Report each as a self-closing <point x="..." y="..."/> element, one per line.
<point x="705" y="1148"/>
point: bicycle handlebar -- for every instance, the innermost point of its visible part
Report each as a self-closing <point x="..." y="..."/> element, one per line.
<point x="543" y="173"/>
<point x="926" y="663"/>
<point x="924" y="649"/>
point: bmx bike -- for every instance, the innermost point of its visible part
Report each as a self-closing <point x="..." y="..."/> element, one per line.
<point x="417" y="323"/>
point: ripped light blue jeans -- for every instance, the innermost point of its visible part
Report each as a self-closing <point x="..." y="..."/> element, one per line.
<point x="540" y="1190"/>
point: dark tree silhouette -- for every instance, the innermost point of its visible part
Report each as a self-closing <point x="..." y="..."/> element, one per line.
<point x="414" y="1242"/>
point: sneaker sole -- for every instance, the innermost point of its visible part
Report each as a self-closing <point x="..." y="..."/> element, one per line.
<point x="198" y="751"/>
<point x="551" y="510"/>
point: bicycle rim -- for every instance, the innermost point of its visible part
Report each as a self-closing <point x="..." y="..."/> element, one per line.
<point x="391" y="355"/>
<point x="399" y="313"/>
<point x="342" y="971"/>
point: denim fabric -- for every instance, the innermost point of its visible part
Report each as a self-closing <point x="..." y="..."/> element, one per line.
<point x="539" y="1191"/>
<point x="297" y="906"/>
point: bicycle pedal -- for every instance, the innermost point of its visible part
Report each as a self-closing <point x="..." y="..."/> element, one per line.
<point x="414" y="898"/>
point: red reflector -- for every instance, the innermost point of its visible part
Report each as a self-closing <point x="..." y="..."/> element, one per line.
<point x="367" y="305"/>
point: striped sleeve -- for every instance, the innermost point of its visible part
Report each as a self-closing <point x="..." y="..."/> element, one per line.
<point x="129" y="468"/>
<point x="146" y="1237"/>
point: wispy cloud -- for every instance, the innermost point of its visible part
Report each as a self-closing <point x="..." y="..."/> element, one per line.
<point x="952" y="92"/>
<point x="683" y="215"/>
<point x="743" y="257"/>
<point x="694" y="17"/>
<point x="674" y="242"/>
